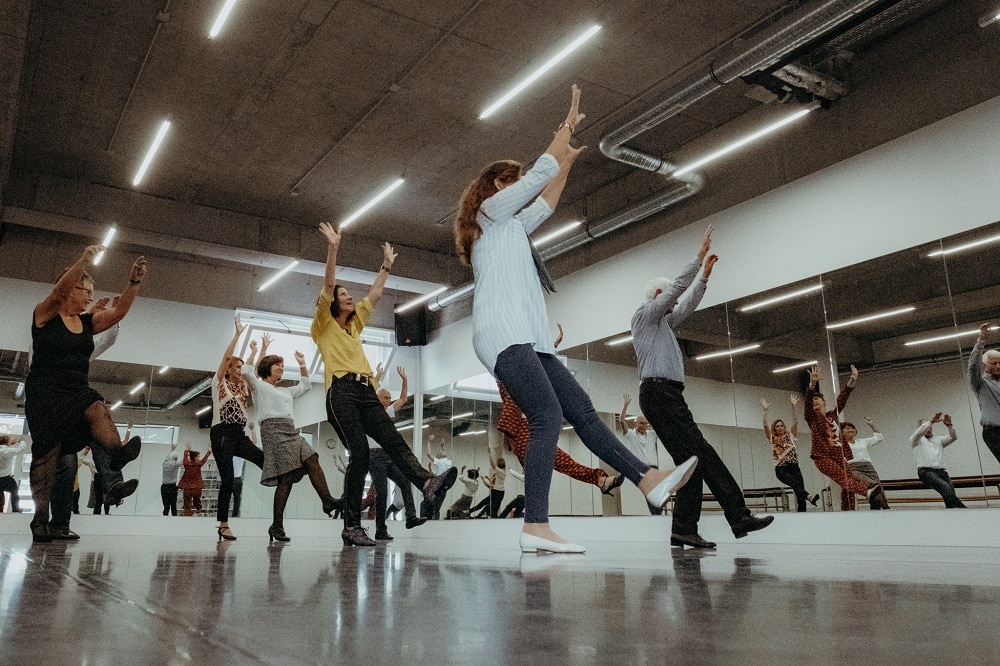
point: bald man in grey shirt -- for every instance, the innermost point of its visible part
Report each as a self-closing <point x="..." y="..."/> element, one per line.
<point x="661" y="398"/>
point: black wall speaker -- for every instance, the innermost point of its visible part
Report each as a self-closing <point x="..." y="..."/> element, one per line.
<point x="411" y="327"/>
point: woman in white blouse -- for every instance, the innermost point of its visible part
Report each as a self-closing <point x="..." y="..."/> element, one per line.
<point x="511" y="334"/>
<point x="287" y="455"/>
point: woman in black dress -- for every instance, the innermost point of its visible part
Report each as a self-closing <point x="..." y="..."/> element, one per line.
<point x="63" y="412"/>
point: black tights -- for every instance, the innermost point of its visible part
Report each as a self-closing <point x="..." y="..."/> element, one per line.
<point x="311" y="468"/>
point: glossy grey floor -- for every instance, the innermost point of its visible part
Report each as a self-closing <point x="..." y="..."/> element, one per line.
<point x="160" y="600"/>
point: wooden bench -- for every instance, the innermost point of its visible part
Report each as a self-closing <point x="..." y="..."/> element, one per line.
<point x="988" y="488"/>
<point x="768" y="499"/>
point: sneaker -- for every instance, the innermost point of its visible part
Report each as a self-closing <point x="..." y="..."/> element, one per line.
<point x="414" y="521"/>
<point x="750" y="523"/>
<point x="356" y="535"/>
<point x="438" y="486"/>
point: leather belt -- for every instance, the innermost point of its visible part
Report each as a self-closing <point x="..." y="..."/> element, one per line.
<point x="364" y="380"/>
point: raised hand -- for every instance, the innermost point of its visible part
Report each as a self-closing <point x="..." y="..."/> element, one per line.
<point x="765" y="404"/>
<point x="90" y="252"/>
<point x="854" y="374"/>
<point x="947" y="420"/>
<point x="627" y="398"/>
<point x="100" y="306"/>
<point x="240" y="326"/>
<point x="814" y="375"/>
<point x="793" y="398"/>
<point x="139" y="269"/>
<point x="706" y="244"/>
<point x="300" y="357"/>
<point x="574" y="117"/>
<point x="331" y="235"/>
<point x="253" y="346"/>
<point x="266" y="340"/>
<point x="710" y="264"/>
<point x="388" y="256"/>
<point x="869" y="421"/>
<point x="937" y="418"/>
<point x="401" y="371"/>
<point x="984" y="332"/>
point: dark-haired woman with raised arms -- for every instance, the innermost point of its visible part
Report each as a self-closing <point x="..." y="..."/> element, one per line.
<point x="511" y="333"/>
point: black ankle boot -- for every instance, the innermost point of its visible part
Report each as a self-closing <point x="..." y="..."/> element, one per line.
<point x="275" y="533"/>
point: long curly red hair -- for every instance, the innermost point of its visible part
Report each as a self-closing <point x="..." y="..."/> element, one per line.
<point x="467" y="229"/>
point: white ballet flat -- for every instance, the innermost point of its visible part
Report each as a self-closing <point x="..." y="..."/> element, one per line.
<point x="659" y="495"/>
<point x="533" y="544"/>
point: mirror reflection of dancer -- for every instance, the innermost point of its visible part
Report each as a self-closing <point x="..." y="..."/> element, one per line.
<point x="287" y="455"/>
<point x="661" y="399"/>
<point x="192" y="482"/>
<point x="64" y="414"/>
<point x="786" y="457"/>
<point x="228" y="433"/>
<point x="352" y="407"/>
<point x="511" y="330"/>
<point x="828" y="454"/>
<point x="640" y="440"/>
<point x="382" y="469"/>
<point x="986" y="386"/>
<point x="10" y="447"/>
<point x="860" y="465"/>
<point x="928" y="450"/>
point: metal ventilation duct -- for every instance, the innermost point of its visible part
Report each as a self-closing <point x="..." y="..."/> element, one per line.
<point x="762" y="51"/>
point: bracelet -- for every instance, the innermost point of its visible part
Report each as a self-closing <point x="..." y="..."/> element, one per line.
<point x="567" y="126"/>
<point x="385" y="268"/>
<point x="135" y="281"/>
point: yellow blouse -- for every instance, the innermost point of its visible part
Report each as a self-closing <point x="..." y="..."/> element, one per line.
<point x="341" y="349"/>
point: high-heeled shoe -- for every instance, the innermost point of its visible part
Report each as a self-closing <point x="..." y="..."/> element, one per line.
<point x="616" y="483"/>
<point x="226" y="533"/>
<point x="660" y="493"/>
<point x="276" y="534"/>
<point x="532" y="544"/>
<point x="331" y="504"/>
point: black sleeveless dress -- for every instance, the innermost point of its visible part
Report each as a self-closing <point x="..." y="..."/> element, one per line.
<point x="56" y="391"/>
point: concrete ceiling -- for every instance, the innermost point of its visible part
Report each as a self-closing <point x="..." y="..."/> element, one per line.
<point x="301" y="109"/>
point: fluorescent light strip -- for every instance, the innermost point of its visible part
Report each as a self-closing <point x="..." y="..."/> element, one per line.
<point x="221" y="19"/>
<point x="730" y="352"/>
<point x="439" y="397"/>
<point x="115" y="406"/>
<point x="277" y="276"/>
<point x="423" y="299"/>
<point x="462" y="416"/>
<point x="967" y="246"/>
<point x="378" y="197"/>
<point x="576" y="43"/>
<point x="788" y="368"/>
<point x="619" y="341"/>
<point x="164" y="369"/>
<point x="569" y="427"/>
<point x="557" y="233"/>
<point x="783" y="297"/>
<point x="472" y="432"/>
<point x="861" y="320"/>
<point x="105" y="243"/>
<point x="137" y="388"/>
<point x="203" y="410"/>
<point x="151" y="153"/>
<point x="744" y="141"/>
<point x="950" y="336"/>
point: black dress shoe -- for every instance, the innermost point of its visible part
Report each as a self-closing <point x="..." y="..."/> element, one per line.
<point x="331" y="504"/>
<point x="382" y="536"/>
<point x="814" y="499"/>
<point x="414" y="521"/>
<point x="691" y="540"/>
<point x="356" y="535"/>
<point x="40" y="532"/>
<point x="619" y="480"/>
<point x="119" y="491"/>
<point x="126" y="453"/>
<point x="750" y="523"/>
<point x="63" y="534"/>
<point x="437" y="486"/>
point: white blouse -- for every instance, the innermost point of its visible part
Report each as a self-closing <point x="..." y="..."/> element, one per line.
<point x="272" y="402"/>
<point x="509" y="306"/>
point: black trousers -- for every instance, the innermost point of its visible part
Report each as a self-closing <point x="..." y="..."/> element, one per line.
<point x="228" y="440"/>
<point x="662" y="403"/>
<point x="8" y="484"/>
<point x="382" y="469"/>
<point x="355" y="413"/>
<point x="168" y="494"/>
<point x="790" y="474"/>
<point x="991" y="435"/>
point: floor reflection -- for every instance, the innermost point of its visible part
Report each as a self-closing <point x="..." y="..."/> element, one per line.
<point x="156" y="600"/>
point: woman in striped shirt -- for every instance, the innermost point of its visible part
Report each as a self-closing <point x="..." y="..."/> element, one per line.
<point x="511" y="332"/>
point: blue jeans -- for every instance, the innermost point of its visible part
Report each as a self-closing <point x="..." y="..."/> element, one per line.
<point x="937" y="479"/>
<point x="546" y="391"/>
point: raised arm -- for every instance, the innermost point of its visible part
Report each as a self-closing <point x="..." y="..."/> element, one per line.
<point x="123" y="303"/>
<point x="767" y="424"/>
<point x="951" y="437"/>
<point x="49" y="308"/>
<point x="388" y="257"/>
<point x="976" y="358"/>
<point x="332" y="237"/>
<point x="845" y="392"/>
<point x="921" y="429"/>
<point x="228" y="354"/>
<point x="401" y="400"/>
<point x="692" y="300"/>
<point x="623" y="417"/>
<point x="252" y="358"/>
<point x="204" y="458"/>
<point x="809" y="410"/>
<point x="794" y="399"/>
